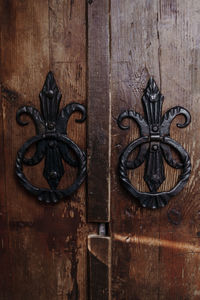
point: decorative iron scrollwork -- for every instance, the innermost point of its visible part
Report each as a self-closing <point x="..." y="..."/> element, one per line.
<point x="52" y="144"/>
<point x="154" y="144"/>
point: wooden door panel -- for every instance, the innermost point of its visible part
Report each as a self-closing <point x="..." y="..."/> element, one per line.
<point x="155" y="254"/>
<point x="98" y="149"/>
<point x="43" y="248"/>
<point x="98" y="112"/>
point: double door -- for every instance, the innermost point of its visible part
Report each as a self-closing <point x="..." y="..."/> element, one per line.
<point x="99" y="243"/>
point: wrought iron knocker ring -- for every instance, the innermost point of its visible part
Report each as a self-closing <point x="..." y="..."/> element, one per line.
<point x="52" y="143"/>
<point x="49" y="195"/>
<point x="154" y="200"/>
<point x="154" y="143"/>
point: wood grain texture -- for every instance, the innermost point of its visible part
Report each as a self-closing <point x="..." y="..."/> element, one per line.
<point x="98" y="112"/>
<point x="43" y="249"/>
<point x="155" y="254"/>
<point x="99" y="252"/>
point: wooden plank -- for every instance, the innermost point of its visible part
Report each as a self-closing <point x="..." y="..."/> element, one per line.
<point x="4" y="231"/>
<point x="178" y="28"/>
<point x="67" y="46"/>
<point x="155" y="254"/>
<point x="24" y="60"/>
<point x="98" y="112"/>
<point x="45" y="254"/>
<point x="99" y="248"/>
<point x="134" y="54"/>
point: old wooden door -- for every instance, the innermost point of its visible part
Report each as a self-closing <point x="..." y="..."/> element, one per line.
<point x="99" y="245"/>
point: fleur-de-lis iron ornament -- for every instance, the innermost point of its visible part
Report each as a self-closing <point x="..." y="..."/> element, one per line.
<point x="52" y="144"/>
<point x="154" y="144"/>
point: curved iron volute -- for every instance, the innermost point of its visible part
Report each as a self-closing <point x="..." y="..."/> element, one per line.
<point x="154" y="144"/>
<point x="52" y="144"/>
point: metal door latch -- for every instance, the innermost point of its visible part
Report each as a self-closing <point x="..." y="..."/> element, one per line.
<point x="52" y="144"/>
<point x="154" y="144"/>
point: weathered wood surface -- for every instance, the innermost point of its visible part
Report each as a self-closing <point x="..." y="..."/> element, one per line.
<point x="98" y="112"/>
<point x="155" y="254"/>
<point x="99" y="249"/>
<point x="43" y="250"/>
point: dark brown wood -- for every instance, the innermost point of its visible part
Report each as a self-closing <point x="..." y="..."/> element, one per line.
<point x="43" y="250"/>
<point x="99" y="249"/>
<point x="4" y="232"/>
<point x="98" y="112"/>
<point x="155" y="254"/>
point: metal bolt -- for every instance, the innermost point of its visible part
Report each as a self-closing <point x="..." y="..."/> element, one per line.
<point x="53" y="175"/>
<point x="50" y="93"/>
<point x="102" y="229"/>
<point x="155" y="128"/>
<point x="51" y="126"/>
<point x="51" y="144"/>
<point x="155" y="147"/>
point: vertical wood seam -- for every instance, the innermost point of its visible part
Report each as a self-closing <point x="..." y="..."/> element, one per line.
<point x="110" y="151"/>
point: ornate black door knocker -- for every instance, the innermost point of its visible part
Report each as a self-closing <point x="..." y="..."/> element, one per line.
<point x="52" y="144"/>
<point x="154" y="144"/>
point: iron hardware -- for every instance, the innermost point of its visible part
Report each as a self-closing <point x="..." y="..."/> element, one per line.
<point x="52" y="144"/>
<point x="154" y="144"/>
